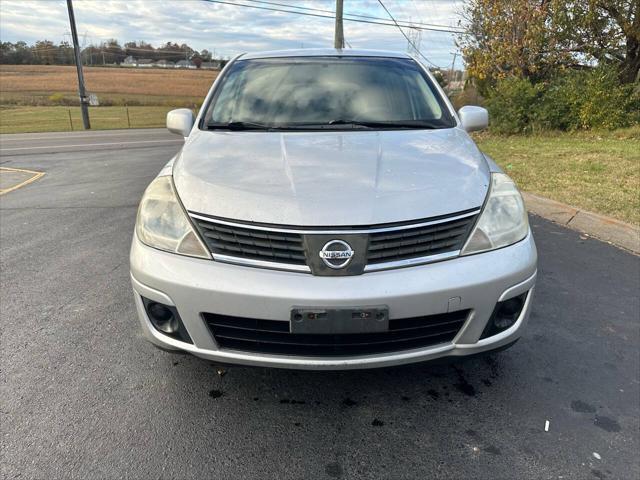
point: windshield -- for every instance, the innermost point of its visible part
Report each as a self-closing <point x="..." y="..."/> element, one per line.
<point x="327" y="92"/>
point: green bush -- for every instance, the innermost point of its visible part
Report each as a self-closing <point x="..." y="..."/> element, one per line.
<point x="606" y="103"/>
<point x="560" y="104"/>
<point x="57" y="98"/>
<point x="572" y="100"/>
<point x="512" y="105"/>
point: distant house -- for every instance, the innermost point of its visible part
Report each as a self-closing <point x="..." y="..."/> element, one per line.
<point x="129" y="61"/>
<point x="184" y="64"/>
<point x="214" y="65"/>
<point x="164" y="64"/>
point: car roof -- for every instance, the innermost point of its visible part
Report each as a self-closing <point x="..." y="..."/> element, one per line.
<point x="323" y="52"/>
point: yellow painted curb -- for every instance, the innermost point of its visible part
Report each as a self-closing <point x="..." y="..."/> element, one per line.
<point x="36" y="176"/>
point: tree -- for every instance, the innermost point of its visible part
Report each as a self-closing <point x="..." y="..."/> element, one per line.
<point x="534" y="39"/>
<point x="196" y="59"/>
<point x="173" y="51"/>
<point x="140" y="49"/>
<point x="607" y="31"/>
<point x="23" y="53"/>
<point x="112" y="51"/>
<point x="440" y="77"/>
<point x="45" y="51"/>
<point x="509" y="38"/>
<point x="64" y="54"/>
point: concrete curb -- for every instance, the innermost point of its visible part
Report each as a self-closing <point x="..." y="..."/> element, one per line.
<point x="604" y="228"/>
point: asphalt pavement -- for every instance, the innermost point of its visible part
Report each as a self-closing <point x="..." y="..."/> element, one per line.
<point x="61" y="142"/>
<point x="83" y="395"/>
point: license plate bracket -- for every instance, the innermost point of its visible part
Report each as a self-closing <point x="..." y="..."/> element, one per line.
<point x="340" y="320"/>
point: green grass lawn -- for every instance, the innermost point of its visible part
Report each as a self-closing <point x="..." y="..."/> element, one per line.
<point x="70" y="99"/>
<point x="56" y="119"/>
<point x="597" y="171"/>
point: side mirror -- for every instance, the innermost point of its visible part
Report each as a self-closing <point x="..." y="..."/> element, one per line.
<point x="180" y="121"/>
<point x="473" y="118"/>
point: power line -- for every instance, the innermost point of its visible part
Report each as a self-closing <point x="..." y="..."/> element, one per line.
<point x="409" y="24"/>
<point x="318" y="15"/>
<point x="405" y="35"/>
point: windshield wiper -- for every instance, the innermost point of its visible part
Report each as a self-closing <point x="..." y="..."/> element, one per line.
<point x="355" y="124"/>
<point x="237" y="126"/>
<point x="417" y="124"/>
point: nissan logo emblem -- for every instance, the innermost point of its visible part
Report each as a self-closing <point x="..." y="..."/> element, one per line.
<point x="336" y="254"/>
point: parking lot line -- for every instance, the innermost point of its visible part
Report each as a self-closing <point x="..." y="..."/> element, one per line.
<point x="36" y="176"/>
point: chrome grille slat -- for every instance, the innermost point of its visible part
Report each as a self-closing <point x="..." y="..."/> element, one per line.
<point x="412" y="252"/>
<point x="394" y="246"/>
<point x="252" y="244"/>
<point x="415" y="241"/>
<point x="422" y="230"/>
<point x="425" y="240"/>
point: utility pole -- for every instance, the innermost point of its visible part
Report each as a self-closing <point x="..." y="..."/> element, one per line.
<point x="453" y="66"/>
<point x="84" y="101"/>
<point x="338" y="40"/>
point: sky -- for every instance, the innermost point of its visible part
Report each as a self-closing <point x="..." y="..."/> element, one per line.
<point x="230" y="29"/>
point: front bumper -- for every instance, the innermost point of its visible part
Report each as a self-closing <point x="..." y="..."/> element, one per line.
<point x="194" y="286"/>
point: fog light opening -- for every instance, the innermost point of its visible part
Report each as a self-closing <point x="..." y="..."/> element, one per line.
<point x="508" y="312"/>
<point x="166" y="320"/>
<point x="162" y="318"/>
<point x="505" y="315"/>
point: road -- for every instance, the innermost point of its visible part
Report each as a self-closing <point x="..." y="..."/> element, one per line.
<point x="61" y="142"/>
<point x="84" y="396"/>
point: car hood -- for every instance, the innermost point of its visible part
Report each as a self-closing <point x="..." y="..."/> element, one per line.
<point x="333" y="178"/>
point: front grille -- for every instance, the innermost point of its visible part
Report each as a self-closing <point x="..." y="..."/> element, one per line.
<point x="280" y="247"/>
<point x="273" y="336"/>
<point x="418" y="242"/>
<point x="380" y="246"/>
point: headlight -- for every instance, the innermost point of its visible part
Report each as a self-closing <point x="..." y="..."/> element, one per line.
<point x="503" y="220"/>
<point x="162" y="222"/>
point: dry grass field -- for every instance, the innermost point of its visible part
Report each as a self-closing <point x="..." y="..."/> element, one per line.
<point x="57" y="85"/>
<point x="43" y="98"/>
<point x="140" y="81"/>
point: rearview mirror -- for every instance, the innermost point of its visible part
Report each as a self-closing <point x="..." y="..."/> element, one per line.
<point x="180" y="121"/>
<point x="473" y="118"/>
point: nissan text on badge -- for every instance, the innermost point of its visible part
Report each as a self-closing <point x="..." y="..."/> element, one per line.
<point x="329" y="210"/>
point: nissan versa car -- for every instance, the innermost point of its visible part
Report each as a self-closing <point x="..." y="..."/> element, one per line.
<point x="328" y="210"/>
